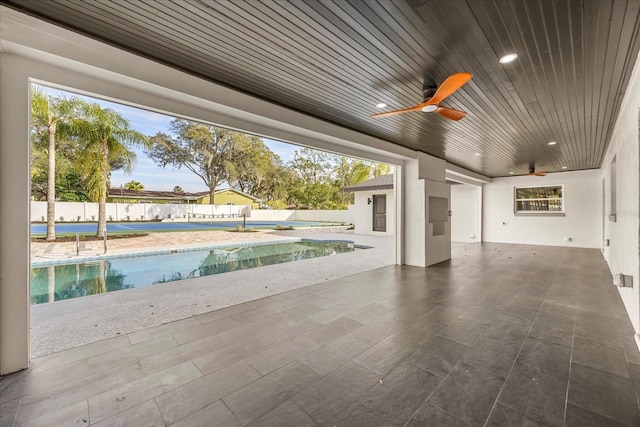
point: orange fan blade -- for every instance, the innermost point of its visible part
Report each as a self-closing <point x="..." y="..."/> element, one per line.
<point x="450" y="113"/>
<point x="450" y="85"/>
<point x="541" y="173"/>
<point x="406" y="110"/>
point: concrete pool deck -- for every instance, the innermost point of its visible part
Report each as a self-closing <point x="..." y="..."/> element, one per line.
<point x="69" y="323"/>
<point x="52" y="251"/>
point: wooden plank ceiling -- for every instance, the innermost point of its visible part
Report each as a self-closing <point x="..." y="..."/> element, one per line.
<point x="336" y="60"/>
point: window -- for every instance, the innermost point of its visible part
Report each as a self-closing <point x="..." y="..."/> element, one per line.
<point x="542" y="200"/>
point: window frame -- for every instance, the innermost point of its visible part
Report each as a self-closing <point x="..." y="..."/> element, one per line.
<point x="560" y="212"/>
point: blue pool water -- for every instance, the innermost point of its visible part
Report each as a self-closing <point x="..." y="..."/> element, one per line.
<point x="150" y="226"/>
<point x="71" y="280"/>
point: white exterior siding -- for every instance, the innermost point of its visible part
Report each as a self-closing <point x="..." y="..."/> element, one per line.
<point x="363" y="212"/>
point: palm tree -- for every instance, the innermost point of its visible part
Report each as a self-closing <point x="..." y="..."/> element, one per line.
<point x="107" y="149"/>
<point x="380" y="169"/>
<point x="52" y="119"/>
<point x="134" y="185"/>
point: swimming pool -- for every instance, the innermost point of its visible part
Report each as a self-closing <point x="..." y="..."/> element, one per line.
<point x="38" y="230"/>
<point x="64" y="280"/>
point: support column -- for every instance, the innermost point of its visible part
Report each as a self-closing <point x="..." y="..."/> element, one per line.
<point x="14" y="214"/>
<point x="427" y="226"/>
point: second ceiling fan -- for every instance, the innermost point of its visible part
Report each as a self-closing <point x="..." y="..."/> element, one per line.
<point x="532" y="171"/>
<point x="432" y="104"/>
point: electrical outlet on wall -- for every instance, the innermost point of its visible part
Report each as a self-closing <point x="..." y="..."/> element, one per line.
<point x="623" y="280"/>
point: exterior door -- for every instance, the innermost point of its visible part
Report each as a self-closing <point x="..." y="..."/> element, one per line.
<point x="380" y="213"/>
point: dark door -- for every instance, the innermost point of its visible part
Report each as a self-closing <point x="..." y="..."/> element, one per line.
<point x="380" y="213"/>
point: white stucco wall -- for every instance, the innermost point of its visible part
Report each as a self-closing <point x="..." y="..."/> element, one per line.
<point x="14" y="215"/>
<point x="363" y="212"/>
<point x="466" y="209"/>
<point x="342" y="215"/>
<point x="582" y="206"/>
<point x="624" y="234"/>
<point x="424" y="177"/>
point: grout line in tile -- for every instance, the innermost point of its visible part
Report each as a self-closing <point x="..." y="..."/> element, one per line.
<point x="88" y="412"/>
<point x="514" y="364"/>
<point x="159" y="411"/>
<point x="566" y="397"/>
<point x="435" y="390"/>
<point x="231" y="412"/>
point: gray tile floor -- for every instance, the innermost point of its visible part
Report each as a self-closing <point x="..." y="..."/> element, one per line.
<point x="501" y="335"/>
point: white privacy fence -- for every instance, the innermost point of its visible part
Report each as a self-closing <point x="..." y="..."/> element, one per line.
<point x="303" y="215"/>
<point x="88" y="211"/>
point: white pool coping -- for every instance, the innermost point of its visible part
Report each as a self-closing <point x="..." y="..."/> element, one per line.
<point x="69" y="323"/>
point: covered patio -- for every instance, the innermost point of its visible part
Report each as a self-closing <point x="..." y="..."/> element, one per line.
<point x="500" y="335"/>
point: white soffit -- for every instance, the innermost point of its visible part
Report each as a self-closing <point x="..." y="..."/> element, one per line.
<point x="173" y="92"/>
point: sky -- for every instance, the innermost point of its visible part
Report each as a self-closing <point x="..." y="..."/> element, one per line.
<point x="146" y="170"/>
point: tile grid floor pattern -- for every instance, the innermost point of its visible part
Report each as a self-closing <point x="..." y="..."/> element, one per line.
<point x="500" y="335"/>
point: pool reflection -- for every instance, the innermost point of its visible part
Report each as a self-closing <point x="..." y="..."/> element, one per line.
<point x="58" y="282"/>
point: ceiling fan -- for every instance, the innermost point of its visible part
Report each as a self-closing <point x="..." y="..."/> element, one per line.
<point x="433" y="98"/>
<point x="532" y="171"/>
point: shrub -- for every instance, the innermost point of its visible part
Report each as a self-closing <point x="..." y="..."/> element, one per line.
<point x="42" y="218"/>
<point x="141" y="217"/>
<point x="61" y="218"/>
<point x="93" y="217"/>
<point x="277" y="204"/>
<point x="283" y="227"/>
<point x="157" y="216"/>
<point x="110" y="218"/>
<point x="78" y="218"/>
<point x="128" y="217"/>
<point x="241" y="229"/>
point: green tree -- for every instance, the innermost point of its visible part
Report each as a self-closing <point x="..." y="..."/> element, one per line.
<point x="314" y="185"/>
<point x="134" y="185"/>
<point x="107" y="148"/>
<point x="312" y="165"/>
<point x="68" y="183"/>
<point x="252" y="166"/>
<point x="319" y="178"/>
<point x="347" y="172"/>
<point x="379" y="169"/>
<point x="276" y="187"/>
<point x="177" y="189"/>
<point x="203" y="149"/>
<point x="52" y="120"/>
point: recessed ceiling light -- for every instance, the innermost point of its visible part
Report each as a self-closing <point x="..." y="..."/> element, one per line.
<point x="477" y="154"/>
<point x="510" y="57"/>
<point x="510" y="173"/>
<point x="552" y="143"/>
<point x="564" y="167"/>
<point x="381" y="105"/>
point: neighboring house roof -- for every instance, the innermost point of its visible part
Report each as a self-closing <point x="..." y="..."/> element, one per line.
<point x="148" y="194"/>
<point x="382" y="182"/>
<point x="239" y="192"/>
